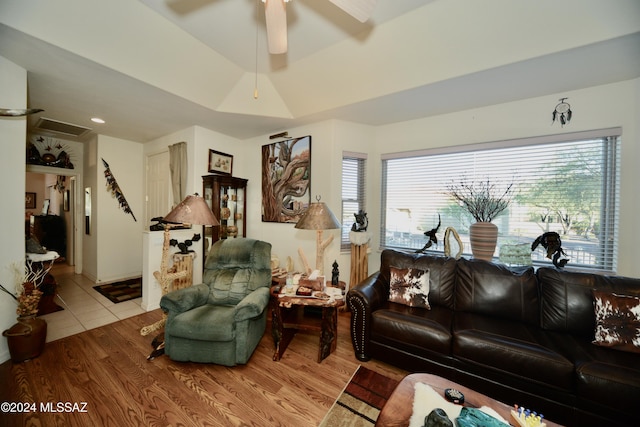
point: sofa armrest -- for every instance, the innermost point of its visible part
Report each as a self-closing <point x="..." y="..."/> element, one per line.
<point x="363" y="300"/>
<point x="185" y="299"/>
<point x="253" y="304"/>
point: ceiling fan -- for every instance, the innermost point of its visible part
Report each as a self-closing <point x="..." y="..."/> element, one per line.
<point x="276" y="18"/>
<point x="18" y="112"/>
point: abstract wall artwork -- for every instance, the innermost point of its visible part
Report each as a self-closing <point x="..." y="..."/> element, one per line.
<point x="286" y="179"/>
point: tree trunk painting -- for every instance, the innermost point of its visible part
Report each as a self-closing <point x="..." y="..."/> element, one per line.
<point x="286" y="177"/>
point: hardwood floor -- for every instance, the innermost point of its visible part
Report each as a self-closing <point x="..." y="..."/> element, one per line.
<point x="106" y="369"/>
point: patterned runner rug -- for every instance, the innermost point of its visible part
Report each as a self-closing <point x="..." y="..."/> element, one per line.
<point x="121" y="291"/>
<point x="360" y="402"/>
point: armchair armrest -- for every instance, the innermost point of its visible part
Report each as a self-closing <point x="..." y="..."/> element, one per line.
<point x="253" y="304"/>
<point x="363" y="300"/>
<point x="185" y="299"/>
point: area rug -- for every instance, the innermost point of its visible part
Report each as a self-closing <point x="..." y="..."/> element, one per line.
<point x="121" y="291"/>
<point x="361" y="400"/>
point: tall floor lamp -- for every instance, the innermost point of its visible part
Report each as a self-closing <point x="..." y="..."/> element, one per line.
<point x="193" y="210"/>
<point x="319" y="217"/>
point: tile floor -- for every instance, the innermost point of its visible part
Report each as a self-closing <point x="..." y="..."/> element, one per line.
<point x="84" y="307"/>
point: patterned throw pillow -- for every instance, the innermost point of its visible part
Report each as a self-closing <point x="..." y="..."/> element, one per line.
<point x="409" y="286"/>
<point x="617" y="321"/>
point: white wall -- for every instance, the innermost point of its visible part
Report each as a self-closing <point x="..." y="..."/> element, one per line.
<point x="119" y="236"/>
<point x="13" y="133"/>
<point x="326" y="166"/>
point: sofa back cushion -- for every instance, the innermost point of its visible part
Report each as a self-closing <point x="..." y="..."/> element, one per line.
<point x="442" y="272"/>
<point x="567" y="298"/>
<point x="497" y="290"/>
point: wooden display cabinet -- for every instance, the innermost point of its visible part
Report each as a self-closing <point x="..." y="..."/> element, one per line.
<point x="226" y="196"/>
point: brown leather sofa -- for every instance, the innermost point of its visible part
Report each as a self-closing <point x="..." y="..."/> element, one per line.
<point x="518" y="335"/>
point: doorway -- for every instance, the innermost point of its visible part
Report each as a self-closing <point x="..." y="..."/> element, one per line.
<point x="61" y="188"/>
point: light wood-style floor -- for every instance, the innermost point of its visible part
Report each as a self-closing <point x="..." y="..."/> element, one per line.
<point x="104" y="372"/>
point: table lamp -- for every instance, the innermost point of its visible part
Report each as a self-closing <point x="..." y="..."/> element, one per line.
<point x="193" y="210"/>
<point x="318" y="217"/>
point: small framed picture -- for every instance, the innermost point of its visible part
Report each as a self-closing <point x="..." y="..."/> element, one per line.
<point x="220" y="163"/>
<point x="29" y="200"/>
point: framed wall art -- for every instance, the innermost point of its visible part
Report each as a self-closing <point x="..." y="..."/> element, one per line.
<point x="29" y="200"/>
<point x="286" y="179"/>
<point x="220" y="163"/>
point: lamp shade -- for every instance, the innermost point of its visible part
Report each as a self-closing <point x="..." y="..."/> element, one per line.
<point x="192" y="210"/>
<point x="318" y="217"/>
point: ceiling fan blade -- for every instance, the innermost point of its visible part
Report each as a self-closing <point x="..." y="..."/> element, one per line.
<point x="18" y="112"/>
<point x="276" y="17"/>
<point x="359" y="9"/>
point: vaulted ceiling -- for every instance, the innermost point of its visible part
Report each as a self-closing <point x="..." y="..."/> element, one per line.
<point x="152" y="67"/>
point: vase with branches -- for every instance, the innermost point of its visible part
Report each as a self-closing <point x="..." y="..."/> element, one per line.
<point x="26" y="339"/>
<point x="27" y="289"/>
<point x="484" y="200"/>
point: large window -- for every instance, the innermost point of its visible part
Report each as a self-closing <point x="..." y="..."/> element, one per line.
<point x="563" y="183"/>
<point x="353" y="192"/>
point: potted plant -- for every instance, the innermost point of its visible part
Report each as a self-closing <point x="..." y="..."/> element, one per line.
<point x="484" y="200"/>
<point x="27" y="337"/>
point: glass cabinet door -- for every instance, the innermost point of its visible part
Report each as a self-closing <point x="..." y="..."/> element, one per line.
<point x="226" y="198"/>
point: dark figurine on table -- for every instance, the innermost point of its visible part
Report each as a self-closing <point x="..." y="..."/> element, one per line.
<point x="335" y="273"/>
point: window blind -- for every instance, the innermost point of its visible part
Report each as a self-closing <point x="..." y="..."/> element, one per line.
<point x="566" y="183"/>
<point x="353" y="192"/>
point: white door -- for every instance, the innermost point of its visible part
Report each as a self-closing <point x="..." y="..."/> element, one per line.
<point x="159" y="198"/>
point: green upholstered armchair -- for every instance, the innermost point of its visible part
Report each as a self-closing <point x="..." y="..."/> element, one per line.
<point x="223" y="319"/>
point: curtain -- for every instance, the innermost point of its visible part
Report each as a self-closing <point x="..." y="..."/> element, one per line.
<point x="178" y="168"/>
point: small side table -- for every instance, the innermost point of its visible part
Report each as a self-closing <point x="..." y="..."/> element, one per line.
<point x="43" y="263"/>
<point x="287" y="318"/>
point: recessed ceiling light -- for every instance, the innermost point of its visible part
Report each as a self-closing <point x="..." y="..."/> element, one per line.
<point x="97" y="120"/>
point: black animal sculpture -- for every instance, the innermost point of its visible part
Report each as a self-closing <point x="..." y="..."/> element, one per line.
<point x="431" y="235"/>
<point x="552" y="243"/>
<point x="362" y="222"/>
<point x="184" y="246"/>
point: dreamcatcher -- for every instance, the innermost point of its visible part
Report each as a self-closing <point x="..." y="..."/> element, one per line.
<point x="562" y="112"/>
<point x="112" y="185"/>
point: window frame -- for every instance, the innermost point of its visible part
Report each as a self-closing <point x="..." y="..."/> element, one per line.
<point x="610" y="195"/>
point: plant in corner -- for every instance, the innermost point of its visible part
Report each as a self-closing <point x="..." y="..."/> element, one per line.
<point x="484" y="200"/>
<point x="27" y="337"/>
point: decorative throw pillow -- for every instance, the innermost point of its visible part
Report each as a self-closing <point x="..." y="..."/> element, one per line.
<point x="617" y="321"/>
<point x="409" y="286"/>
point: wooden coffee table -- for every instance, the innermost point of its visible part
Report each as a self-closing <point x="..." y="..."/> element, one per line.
<point x="399" y="408"/>
<point x="287" y="318"/>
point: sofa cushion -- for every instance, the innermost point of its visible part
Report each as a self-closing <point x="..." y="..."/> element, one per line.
<point x="497" y="290"/>
<point x="567" y="298"/>
<point x="442" y="273"/>
<point x="510" y="347"/>
<point x="617" y="321"/>
<point x="412" y="329"/>
<point x="409" y="286"/>
<point x="605" y="376"/>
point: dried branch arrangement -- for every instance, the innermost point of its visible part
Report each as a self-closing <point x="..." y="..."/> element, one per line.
<point x="27" y="293"/>
<point x="484" y="200"/>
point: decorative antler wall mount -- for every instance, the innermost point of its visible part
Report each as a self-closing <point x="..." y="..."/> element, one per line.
<point x="116" y="191"/>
